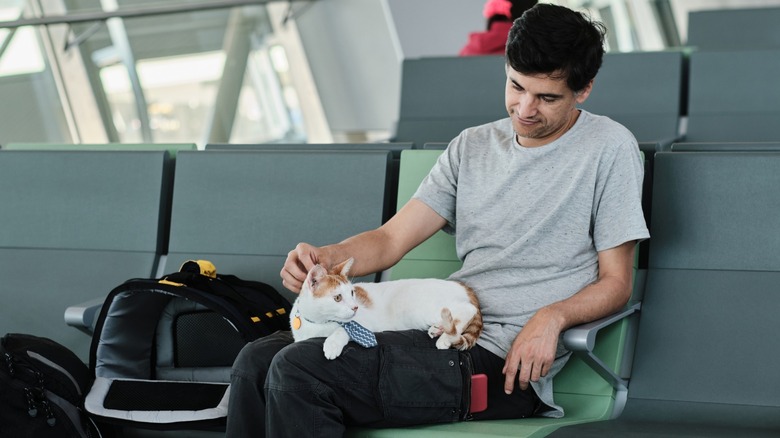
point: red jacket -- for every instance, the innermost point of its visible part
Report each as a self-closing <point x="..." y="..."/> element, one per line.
<point x="490" y="42"/>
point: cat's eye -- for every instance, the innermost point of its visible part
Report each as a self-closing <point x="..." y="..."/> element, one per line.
<point x="337" y="298"/>
<point x="353" y="292"/>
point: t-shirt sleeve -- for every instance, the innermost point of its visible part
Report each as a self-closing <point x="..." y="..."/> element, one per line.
<point x="618" y="216"/>
<point x="438" y="189"/>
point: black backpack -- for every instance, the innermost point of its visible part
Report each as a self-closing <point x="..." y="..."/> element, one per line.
<point x="42" y="386"/>
<point x="162" y="348"/>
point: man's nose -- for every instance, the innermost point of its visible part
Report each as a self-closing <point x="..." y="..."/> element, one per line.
<point x="527" y="106"/>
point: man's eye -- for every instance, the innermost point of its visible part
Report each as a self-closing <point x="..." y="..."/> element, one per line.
<point x="337" y="298"/>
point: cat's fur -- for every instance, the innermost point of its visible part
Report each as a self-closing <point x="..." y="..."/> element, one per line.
<point x="447" y="309"/>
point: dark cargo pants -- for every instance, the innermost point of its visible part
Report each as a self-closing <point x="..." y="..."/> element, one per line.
<point x="283" y="389"/>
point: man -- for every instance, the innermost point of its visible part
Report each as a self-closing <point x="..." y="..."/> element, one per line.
<point x="545" y="207"/>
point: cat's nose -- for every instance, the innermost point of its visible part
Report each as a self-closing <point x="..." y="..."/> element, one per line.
<point x="354" y="308"/>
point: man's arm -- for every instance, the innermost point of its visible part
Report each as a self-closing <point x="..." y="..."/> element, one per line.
<point x="373" y="250"/>
<point x="533" y="350"/>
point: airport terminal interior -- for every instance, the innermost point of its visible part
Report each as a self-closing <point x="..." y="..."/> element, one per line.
<point x="136" y="135"/>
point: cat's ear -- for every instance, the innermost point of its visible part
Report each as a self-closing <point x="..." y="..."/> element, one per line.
<point x="343" y="267"/>
<point x="315" y="274"/>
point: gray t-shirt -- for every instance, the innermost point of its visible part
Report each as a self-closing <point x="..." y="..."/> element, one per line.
<point x="530" y="221"/>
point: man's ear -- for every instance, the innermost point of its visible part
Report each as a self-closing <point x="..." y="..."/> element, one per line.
<point x="582" y="95"/>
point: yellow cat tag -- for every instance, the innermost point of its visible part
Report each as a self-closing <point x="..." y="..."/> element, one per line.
<point x="296" y="323"/>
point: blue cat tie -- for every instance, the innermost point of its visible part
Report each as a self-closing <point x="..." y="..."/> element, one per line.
<point x="363" y="336"/>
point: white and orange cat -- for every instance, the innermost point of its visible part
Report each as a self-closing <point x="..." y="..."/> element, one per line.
<point x="447" y="309"/>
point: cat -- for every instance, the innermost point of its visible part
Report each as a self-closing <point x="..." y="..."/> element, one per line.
<point x="447" y="309"/>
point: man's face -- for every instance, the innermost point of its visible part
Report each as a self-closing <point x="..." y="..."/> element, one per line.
<point x="542" y="108"/>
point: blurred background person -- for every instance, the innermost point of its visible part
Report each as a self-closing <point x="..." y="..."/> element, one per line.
<point x="499" y="15"/>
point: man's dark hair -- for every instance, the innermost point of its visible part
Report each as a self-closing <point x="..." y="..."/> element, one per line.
<point x="550" y="39"/>
<point x="518" y="8"/>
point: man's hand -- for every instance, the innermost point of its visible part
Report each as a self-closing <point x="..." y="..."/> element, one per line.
<point x="533" y="350"/>
<point x="373" y="250"/>
<point x="298" y="263"/>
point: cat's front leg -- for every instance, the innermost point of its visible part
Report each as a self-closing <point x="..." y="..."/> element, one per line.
<point x="335" y="343"/>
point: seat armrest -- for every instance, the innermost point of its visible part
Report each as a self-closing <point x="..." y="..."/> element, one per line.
<point x="581" y="340"/>
<point x="665" y="144"/>
<point x="83" y="315"/>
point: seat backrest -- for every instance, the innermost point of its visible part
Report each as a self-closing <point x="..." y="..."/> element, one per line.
<point x="436" y="257"/>
<point x="394" y="148"/>
<point x="441" y="96"/>
<point x="75" y="224"/>
<point x="172" y="148"/>
<point x="728" y="115"/>
<point x="651" y="111"/>
<point x="436" y="106"/>
<point x="711" y="294"/>
<point x="730" y="28"/>
<point x="756" y="146"/>
<point x="245" y="210"/>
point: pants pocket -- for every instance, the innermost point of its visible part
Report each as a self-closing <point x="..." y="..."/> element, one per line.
<point x="423" y="385"/>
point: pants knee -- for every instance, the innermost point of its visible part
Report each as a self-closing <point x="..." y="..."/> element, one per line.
<point x="255" y="358"/>
<point x="296" y="364"/>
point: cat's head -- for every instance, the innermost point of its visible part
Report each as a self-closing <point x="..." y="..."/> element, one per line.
<point x="328" y="295"/>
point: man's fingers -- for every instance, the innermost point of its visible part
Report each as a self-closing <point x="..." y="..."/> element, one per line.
<point x="510" y="372"/>
<point x="306" y="257"/>
<point x="291" y="282"/>
<point x="299" y="261"/>
<point x="528" y="372"/>
<point x="545" y="369"/>
<point x="526" y="369"/>
<point x="536" y="372"/>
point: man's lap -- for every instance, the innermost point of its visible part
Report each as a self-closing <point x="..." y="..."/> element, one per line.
<point x="403" y="374"/>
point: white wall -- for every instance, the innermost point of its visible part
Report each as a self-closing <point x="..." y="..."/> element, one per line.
<point x="434" y="27"/>
<point x="355" y="49"/>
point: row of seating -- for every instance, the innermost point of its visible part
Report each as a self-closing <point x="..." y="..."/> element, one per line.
<point x="662" y="97"/>
<point x="77" y="223"/>
<point x="704" y="364"/>
<point x="741" y="28"/>
<point x="241" y="209"/>
<point x="707" y="300"/>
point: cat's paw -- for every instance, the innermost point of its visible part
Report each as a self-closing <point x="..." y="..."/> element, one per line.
<point x="444" y="342"/>
<point x="332" y="348"/>
<point x="435" y="331"/>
